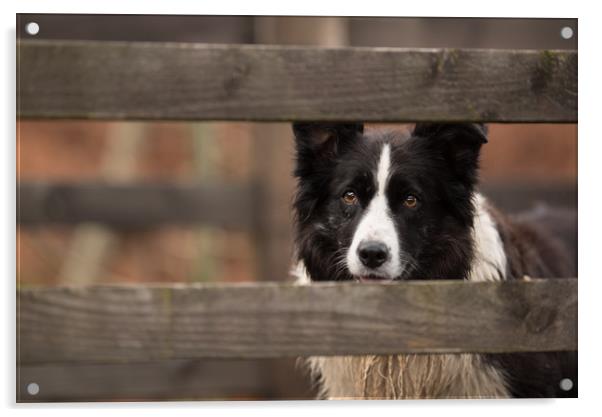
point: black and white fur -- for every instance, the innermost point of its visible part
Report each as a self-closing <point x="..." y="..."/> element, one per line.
<point x="396" y="205"/>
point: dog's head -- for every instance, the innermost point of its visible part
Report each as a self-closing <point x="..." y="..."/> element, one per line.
<point x="384" y="204"/>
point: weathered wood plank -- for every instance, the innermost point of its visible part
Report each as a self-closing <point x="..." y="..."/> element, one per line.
<point x="515" y="196"/>
<point x="229" y="205"/>
<point x="207" y="379"/>
<point x="139" y="205"/>
<point x="113" y="80"/>
<point x="128" y="323"/>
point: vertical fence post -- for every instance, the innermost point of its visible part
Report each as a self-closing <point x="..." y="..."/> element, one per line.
<point x="273" y="153"/>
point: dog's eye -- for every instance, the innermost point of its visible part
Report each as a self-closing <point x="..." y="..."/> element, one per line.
<point x="349" y="198"/>
<point x="410" y="201"/>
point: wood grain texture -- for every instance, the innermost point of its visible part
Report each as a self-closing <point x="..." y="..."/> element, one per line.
<point x="112" y="80"/>
<point x="128" y="323"/>
<point x="139" y="205"/>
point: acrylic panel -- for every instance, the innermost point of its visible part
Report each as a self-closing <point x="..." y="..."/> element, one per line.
<point x="297" y="208"/>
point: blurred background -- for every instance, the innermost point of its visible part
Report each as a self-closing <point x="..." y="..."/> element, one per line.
<point x="523" y="167"/>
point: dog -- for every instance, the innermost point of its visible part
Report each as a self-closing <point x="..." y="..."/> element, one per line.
<point x="394" y="205"/>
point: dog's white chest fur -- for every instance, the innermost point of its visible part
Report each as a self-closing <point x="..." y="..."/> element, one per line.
<point x="421" y="375"/>
<point x="407" y="376"/>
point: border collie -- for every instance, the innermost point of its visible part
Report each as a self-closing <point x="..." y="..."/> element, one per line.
<point x="399" y="205"/>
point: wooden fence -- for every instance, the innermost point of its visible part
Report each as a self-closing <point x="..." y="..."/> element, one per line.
<point x="271" y="83"/>
<point x="121" y="325"/>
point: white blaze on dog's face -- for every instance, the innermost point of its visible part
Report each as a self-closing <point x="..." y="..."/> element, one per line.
<point x="386" y="204"/>
<point x="375" y="248"/>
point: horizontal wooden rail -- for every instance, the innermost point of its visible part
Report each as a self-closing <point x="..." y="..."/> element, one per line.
<point x="118" y="80"/>
<point x="139" y="205"/>
<point x="227" y="205"/>
<point x="132" y="323"/>
<point x="166" y="380"/>
<point x="514" y="196"/>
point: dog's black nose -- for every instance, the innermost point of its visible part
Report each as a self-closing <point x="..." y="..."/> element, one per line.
<point x="373" y="254"/>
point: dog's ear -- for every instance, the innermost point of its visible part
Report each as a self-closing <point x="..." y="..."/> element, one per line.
<point x="317" y="146"/>
<point x="459" y="143"/>
<point x="318" y="140"/>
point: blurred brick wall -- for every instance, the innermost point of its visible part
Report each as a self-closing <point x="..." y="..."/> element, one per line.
<point x="72" y="151"/>
<point x="530" y="152"/>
